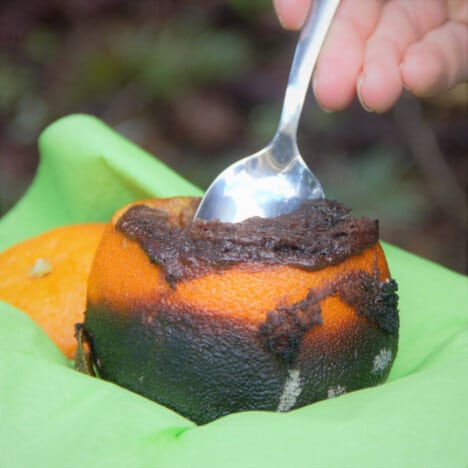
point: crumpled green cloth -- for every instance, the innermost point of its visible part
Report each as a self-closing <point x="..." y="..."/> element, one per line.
<point x="52" y="416"/>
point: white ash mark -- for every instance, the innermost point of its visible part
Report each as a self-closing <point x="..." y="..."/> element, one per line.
<point x="382" y="360"/>
<point x="291" y="390"/>
<point x="336" y="391"/>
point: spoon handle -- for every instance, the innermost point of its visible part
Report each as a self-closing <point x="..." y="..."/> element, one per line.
<point x="305" y="57"/>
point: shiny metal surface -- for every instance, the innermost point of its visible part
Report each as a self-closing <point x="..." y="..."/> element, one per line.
<point x="276" y="179"/>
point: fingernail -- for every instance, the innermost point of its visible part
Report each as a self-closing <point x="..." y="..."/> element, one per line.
<point x="278" y="11"/>
<point x="358" y="90"/>
<point x="405" y="86"/>
<point x="324" y="109"/>
<point x="314" y="89"/>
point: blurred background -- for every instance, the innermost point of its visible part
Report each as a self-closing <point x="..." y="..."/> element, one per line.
<point x="200" y="83"/>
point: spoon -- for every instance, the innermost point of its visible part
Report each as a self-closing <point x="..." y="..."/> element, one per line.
<point x="275" y="180"/>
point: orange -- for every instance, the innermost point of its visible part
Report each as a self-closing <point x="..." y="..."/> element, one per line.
<point x="46" y="277"/>
<point x="208" y="337"/>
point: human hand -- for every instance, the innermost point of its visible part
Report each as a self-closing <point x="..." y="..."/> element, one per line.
<point x="375" y="48"/>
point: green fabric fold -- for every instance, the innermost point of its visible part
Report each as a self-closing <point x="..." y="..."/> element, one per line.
<point x="52" y="416"/>
<point x="86" y="172"/>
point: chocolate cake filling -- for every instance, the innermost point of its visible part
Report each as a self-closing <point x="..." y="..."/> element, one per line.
<point x="282" y="331"/>
<point x="320" y="233"/>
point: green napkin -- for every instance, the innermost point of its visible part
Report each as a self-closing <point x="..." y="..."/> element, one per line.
<point x="52" y="416"/>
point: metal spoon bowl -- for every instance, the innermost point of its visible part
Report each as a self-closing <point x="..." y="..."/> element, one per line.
<point x="275" y="180"/>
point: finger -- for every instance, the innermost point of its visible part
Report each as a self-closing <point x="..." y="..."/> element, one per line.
<point x="438" y="62"/>
<point x="291" y="13"/>
<point x="401" y="24"/>
<point x="458" y="10"/>
<point x="340" y="60"/>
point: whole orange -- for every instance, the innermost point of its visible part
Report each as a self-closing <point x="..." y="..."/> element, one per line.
<point x="210" y="318"/>
<point x="46" y="277"/>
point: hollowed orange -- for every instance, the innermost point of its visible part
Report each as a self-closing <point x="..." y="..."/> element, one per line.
<point x="211" y="338"/>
